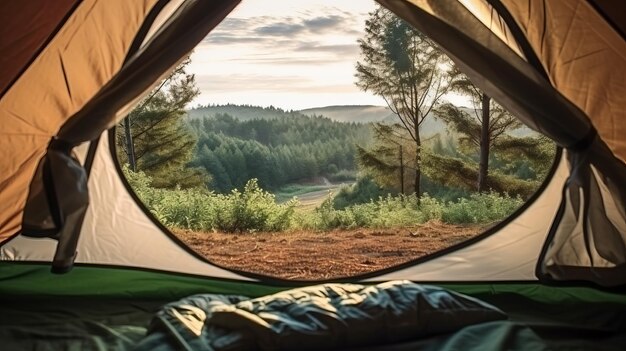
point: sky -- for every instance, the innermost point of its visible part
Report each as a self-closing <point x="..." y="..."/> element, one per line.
<point x="293" y="54"/>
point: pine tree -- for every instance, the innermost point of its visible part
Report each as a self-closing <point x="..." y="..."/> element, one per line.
<point x="482" y="127"/>
<point x="155" y="139"/>
<point x="387" y="159"/>
<point x="220" y="181"/>
<point x="405" y="68"/>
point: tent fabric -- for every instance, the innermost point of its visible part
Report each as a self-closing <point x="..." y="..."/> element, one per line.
<point x="591" y="231"/>
<point x="35" y="21"/>
<point x="580" y="52"/>
<point x="96" y="96"/>
<point x="613" y="12"/>
<point x="525" y="91"/>
<point x="116" y="231"/>
<point x="67" y="74"/>
<point x="68" y="86"/>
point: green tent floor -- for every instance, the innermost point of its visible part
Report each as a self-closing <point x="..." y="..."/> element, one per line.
<point x="107" y="308"/>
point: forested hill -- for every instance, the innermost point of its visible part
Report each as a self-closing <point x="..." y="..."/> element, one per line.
<point x="353" y="113"/>
<point x="241" y="112"/>
<point x="276" y="151"/>
<point x="348" y="114"/>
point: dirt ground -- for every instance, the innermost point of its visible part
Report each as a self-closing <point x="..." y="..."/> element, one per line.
<point x="305" y="255"/>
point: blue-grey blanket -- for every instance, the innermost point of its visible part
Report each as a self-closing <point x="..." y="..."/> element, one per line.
<point x="322" y="317"/>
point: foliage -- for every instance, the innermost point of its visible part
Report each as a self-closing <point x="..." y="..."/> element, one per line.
<point x="483" y="128"/>
<point x="404" y="210"/>
<point x="250" y="210"/>
<point x="405" y="68"/>
<point x="480" y="208"/>
<point x="385" y="212"/>
<point x="343" y="175"/>
<point x="458" y="173"/>
<point x="538" y="152"/>
<point x="364" y="190"/>
<point x="290" y="190"/>
<point x="276" y="151"/>
<point x="254" y="209"/>
<point x="391" y="160"/>
<point x="162" y="144"/>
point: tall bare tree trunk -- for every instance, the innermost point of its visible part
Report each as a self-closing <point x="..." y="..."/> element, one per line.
<point x="130" y="147"/>
<point x="418" y="159"/>
<point x="483" y="168"/>
<point x="401" y="171"/>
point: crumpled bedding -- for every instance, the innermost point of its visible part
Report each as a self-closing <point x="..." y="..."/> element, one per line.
<point x="322" y="317"/>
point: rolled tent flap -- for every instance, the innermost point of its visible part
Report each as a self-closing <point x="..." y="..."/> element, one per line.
<point x="49" y="211"/>
<point x="591" y="213"/>
<point x="584" y="57"/>
<point x="58" y="196"/>
<point x="587" y="238"/>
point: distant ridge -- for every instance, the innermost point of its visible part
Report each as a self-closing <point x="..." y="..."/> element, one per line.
<point x="352" y="113"/>
<point x="338" y="113"/>
<point x="341" y="113"/>
<point x="241" y="112"/>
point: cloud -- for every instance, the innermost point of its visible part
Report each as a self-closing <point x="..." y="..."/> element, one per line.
<point x="225" y="39"/>
<point x="286" y="54"/>
<point x="280" y="29"/>
<point x="239" y="82"/>
<point x="337" y="49"/>
<point x="264" y="29"/>
<point x="225" y="84"/>
<point x="324" y="23"/>
<point x="282" y="61"/>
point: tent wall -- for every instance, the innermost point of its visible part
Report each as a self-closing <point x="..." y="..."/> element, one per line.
<point x="558" y="65"/>
<point x="508" y="254"/>
<point x="540" y="89"/>
<point x="582" y="55"/>
<point x="67" y="74"/>
<point x="116" y="231"/>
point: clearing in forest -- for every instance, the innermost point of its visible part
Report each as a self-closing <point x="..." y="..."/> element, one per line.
<point x="310" y="255"/>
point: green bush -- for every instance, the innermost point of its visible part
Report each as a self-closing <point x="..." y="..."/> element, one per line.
<point x="199" y="209"/>
<point x="480" y="208"/>
<point x="342" y="175"/>
<point x="254" y="209"/>
<point x="363" y="191"/>
<point x="385" y="212"/>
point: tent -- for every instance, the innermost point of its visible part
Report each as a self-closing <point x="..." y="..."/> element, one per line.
<point x="72" y="68"/>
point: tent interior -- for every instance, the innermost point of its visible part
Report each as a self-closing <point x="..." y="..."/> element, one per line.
<point x="84" y="266"/>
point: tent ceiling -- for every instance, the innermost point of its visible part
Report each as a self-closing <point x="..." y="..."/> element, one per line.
<point x="36" y="22"/>
<point x="580" y="52"/>
<point x="67" y="73"/>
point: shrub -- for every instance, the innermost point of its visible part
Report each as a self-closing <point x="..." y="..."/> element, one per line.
<point x="481" y="208"/>
<point x="342" y="175"/>
<point x="385" y="212"/>
<point x="363" y="191"/>
<point x="199" y="209"/>
<point x="254" y="209"/>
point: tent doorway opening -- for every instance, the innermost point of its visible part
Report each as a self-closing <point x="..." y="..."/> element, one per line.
<point x="320" y="142"/>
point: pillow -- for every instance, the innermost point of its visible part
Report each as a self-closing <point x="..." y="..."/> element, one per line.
<point x="325" y="317"/>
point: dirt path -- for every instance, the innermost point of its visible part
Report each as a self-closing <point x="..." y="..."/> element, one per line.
<point x="313" y="256"/>
<point x="313" y="199"/>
